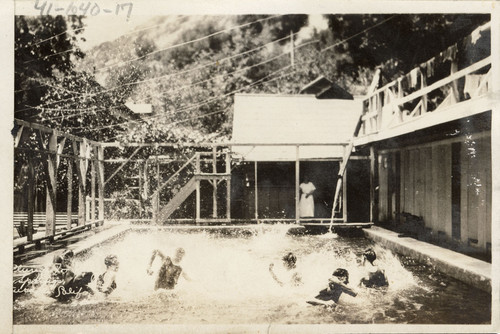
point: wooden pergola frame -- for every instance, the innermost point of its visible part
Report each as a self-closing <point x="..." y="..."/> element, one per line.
<point x="82" y="152"/>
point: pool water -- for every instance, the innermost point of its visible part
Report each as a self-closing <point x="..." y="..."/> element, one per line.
<point x="230" y="283"/>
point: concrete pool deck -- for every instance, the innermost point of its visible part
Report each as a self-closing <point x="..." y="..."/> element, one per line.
<point x="462" y="267"/>
<point x="83" y="245"/>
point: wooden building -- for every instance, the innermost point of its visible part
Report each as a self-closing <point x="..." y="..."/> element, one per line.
<point x="429" y="138"/>
<point x="278" y="140"/>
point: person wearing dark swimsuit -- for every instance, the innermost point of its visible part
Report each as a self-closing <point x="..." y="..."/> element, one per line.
<point x="170" y="270"/>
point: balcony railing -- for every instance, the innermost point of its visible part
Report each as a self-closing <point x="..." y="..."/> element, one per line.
<point x="430" y="88"/>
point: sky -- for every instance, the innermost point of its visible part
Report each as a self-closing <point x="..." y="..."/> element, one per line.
<point x="100" y="29"/>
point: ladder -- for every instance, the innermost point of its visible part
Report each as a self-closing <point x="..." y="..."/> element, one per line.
<point x="343" y="166"/>
<point x="347" y="154"/>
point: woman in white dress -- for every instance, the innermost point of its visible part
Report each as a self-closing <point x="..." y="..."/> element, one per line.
<point x="306" y="204"/>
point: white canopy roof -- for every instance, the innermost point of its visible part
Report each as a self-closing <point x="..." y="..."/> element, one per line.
<point x="269" y="119"/>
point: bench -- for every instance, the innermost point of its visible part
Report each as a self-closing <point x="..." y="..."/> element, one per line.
<point x="39" y="221"/>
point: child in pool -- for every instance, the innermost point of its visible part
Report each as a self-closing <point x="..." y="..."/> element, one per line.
<point x="65" y="285"/>
<point x="289" y="263"/>
<point x="170" y="270"/>
<point x="106" y="281"/>
<point x="375" y="277"/>
<point x="337" y="284"/>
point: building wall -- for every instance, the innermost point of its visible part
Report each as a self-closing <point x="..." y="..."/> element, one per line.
<point x="430" y="187"/>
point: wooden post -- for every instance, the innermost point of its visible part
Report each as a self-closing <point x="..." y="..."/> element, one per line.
<point x="344" y="196"/>
<point x="256" y="190"/>
<point x="78" y="153"/>
<point x="228" y="185"/>
<point x="140" y="189"/>
<point x="198" y="195"/>
<point x="50" y="224"/>
<point x="373" y="185"/>
<point x="297" y="184"/>
<point x="146" y="179"/>
<point x="69" y="205"/>
<point x="31" y="197"/>
<point x="92" y="184"/>
<point x="100" y="180"/>
<point x="214" y="189"/>
<point x="292" y="51"/>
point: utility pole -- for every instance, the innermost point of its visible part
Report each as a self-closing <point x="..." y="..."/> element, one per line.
<point x="292" y="51"/>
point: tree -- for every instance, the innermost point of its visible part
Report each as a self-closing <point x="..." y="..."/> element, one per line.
<point x="396" y="42"/>
<point x="45" y="46"/>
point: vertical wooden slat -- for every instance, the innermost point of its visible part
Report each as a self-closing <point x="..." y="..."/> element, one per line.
<point x="215" y="183"/>
<point x="373" y="184"/>
<point x="228" y="185"/>
<point x="69" y="202"/>
<point x="402" y="176"/>
<point x="427" y="212"/>
<point x="77" y="152"/>
<point x="464" y="194"/>
<point x="410" y="200"/>
<point x="344" y="196"/>
<point x="488" y="189"/>
<point x="481" y="189"/>
<point x="198" y="188"/>
<point x="156" y="209"/>
<point x="100" y="180"/>
<point x="447" y="188"/>
<point x="419" y="182"/>
<point x="50" y="225"/>
<point x="256" y="192"/>
<point x="383" y="189"/>
<point x="436" y="183"/>
<point x="31" y="198"/>
<point x="297" y="183"/>
<point x="92" y="186"/>
<point x="141" y="185"/>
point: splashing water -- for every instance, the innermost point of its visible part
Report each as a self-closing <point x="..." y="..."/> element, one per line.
<point x="230" y="279"/>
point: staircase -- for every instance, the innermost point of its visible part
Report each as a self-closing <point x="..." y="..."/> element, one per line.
<point x="177" y="200"/>
<point x="212" y="176"/>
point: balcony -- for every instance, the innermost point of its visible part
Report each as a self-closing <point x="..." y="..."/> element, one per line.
<point x="452" y="85"/>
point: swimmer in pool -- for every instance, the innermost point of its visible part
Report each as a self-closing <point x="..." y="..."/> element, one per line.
<point x="64" y="285"/>
<point x="289" y="263"/>
<point x="106" y="282"/>
<point x="375" y="277"/>
<point x="170" y="270"/>
<point x="337" y="284"/>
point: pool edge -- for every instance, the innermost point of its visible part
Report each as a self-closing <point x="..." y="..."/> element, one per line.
<point x="459" y="266"/>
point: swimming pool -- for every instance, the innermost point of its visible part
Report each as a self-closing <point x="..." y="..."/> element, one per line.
<point x="231" y="284"/>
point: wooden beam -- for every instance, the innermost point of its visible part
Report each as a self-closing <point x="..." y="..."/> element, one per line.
<point x="225" y="144"/>
<point x="100" y="180"/>
<point x="256" y="190"/>
<point x="51" y="201"/>
<point x="297" y="183"/>
<point x="81" y="176"/>
<point x="31" y="197"/>
<point x="46" y="129"/>
<point x="214" y="189"/>
<point x="123" y="165"/>
<point x="198" y="189"/>
<point x="344" y="197"/>
<point x="19" y="135"/>
<point x="92" y="189"/>
<point x="228" y="186"/>
<point x="69" y="201"/>
<point x="373" y="184"/>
